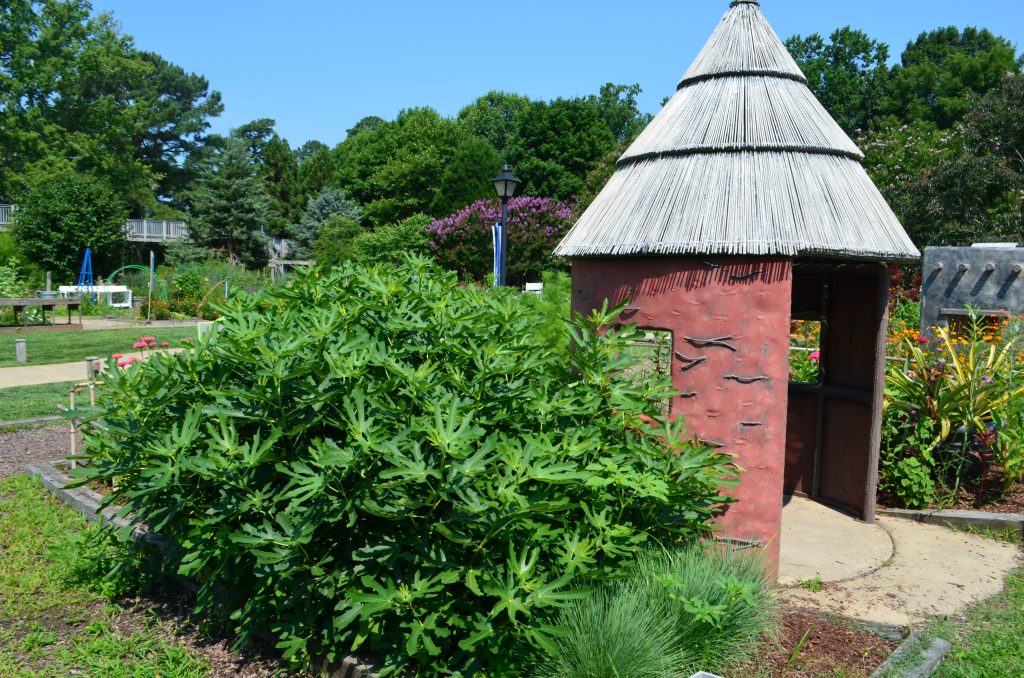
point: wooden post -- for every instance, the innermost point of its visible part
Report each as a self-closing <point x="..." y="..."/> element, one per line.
<point x="149" y="306"/>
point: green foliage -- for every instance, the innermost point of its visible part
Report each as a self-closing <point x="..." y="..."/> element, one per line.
<point x="908" y="480"/>
<point x="229" y="205"/>
<point x="395" y="168"/>
<point x="184" y="251"/>
<point x="940" y="405"/>
<point x="703" y="607"/>
<point x="392" y="243"/>
<point x="620" y="629"/>
<point x="77" y="96"/>
<point x="848" y="74"/>
<point x="554" y="304"/>
<point x="336" y="242"/>
<point x="941" y="72"/>
<point x="1009" y="442"/>
<point x="330" y="202"/>
<point x="382" y="460"/>
<point x="65" y="213"/>
<point x="724" y="602"/>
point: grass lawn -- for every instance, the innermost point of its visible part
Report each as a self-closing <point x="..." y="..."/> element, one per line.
<point x="63" y="347"/>
<point x="991" y="643"/>
<point x="41" y="400"/>
<point x="51" y="624"/>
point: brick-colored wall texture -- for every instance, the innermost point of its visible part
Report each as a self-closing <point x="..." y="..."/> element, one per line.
<point x="729" y="318"/>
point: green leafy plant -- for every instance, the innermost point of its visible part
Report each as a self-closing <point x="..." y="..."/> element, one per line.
<point x="384" y="461"/>
<point x="723" y="602"/>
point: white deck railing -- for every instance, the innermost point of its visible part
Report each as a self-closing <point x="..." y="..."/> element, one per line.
<point x="5" y="215"/>
<point x="135" y="230"/>
<point x="144" y="230"/>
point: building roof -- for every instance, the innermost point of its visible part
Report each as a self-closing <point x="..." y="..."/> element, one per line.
<point x="742" y="160"/>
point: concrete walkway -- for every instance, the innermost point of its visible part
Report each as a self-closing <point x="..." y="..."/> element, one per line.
<point x="894" y="573"/>
<point x="31" y="375"/>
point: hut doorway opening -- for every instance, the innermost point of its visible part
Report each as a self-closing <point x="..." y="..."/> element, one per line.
<point x="833" y="426"/>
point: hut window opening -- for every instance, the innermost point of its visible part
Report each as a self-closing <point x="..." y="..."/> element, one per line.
<point x="653" y="356"/>
<point x="805" y="351"/>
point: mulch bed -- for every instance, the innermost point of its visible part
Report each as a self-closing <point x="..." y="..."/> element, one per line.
<point x="813" y="644"/>
<point x="832" y="646"/>
<point x="987" y="495"/>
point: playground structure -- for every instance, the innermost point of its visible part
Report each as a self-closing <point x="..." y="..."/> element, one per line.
<point x="985" y="277"/>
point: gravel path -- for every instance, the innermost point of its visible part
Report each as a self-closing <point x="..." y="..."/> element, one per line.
<point x="24" y="446"/>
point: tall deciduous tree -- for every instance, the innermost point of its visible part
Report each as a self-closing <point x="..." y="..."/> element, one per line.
<point x="848" y="74"/>
<point x="230" y="206"/>
<point x="65" y="213"/>
<point x="941" y="71"/>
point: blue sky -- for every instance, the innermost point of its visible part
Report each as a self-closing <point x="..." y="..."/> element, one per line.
<point x="317" y="66"/>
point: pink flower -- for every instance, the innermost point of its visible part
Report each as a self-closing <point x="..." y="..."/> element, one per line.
<point x="815" y="357"/>
<point x="165" y="344"/>
<point x="152" y="344"/>
<point x="139" y="344"/>
<point x="148" y="339"/>
<point x="922" y="340"/>
<point x="125" y="362"/>
<point x="117" y="356"/>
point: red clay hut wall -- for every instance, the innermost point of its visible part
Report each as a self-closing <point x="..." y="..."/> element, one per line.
<point x="729" y="318"/>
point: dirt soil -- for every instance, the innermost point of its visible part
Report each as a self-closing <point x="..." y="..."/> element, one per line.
<point x="832" y="647"/>
<point x="22" y="447"/>
<point x="987" y="495"/>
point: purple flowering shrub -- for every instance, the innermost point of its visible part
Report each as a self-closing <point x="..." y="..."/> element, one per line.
<point x="462" y="241"/>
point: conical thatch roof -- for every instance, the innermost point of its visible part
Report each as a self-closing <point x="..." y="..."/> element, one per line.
<point x="742" y="160"/>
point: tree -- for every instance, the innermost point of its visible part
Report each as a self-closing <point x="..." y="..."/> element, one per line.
<point x="943" y="70"/>
<point x="556" y="144"/>
<point x="394" y="168"/>
<point x="493" y="117"/>
<point x="331" y="202"/>
<point x="848" y="74"/>
<point x="462" y="241"/>
<point x="467" y="176"/>
<point x="230" y="206"/>
<point x="174" y="108"/>
<point x="65" y="213"/>
<point x="619" y="111"/>
<point x="76" y="95"/>
<point x="977" y="191"/>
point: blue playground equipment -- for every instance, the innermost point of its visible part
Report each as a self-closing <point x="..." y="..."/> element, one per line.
<point x="85" y="276"/>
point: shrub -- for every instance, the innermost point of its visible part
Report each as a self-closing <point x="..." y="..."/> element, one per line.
<point x="462" y="242"/>
<point x="382" y="460"/>
<point x="389" y="244"/>
<point x="336" y="242"/>
<point x="703" y="607"/>
<point x="65" y="213"/>
<point x="942" y="404"/>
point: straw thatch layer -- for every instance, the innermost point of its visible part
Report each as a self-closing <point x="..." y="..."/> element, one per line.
<point x="742" y="160"/>
<point x="749" y="203"/>
<point x="743" y="43"/>
<point x="742" y="114"/>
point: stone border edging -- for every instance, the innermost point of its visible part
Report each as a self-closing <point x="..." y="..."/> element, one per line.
<point x="930" y="656"/>
<point x="29" y="422"/>
<point x="981" y="520"/>
<point x="87" y="502"/>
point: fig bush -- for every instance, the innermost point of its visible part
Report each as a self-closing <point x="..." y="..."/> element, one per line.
<point x="382" y="461"/>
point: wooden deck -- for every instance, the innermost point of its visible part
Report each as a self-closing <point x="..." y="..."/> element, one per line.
<point x="135" y="230"/>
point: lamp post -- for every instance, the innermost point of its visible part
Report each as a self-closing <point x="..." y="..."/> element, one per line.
<point x="505" y="186"/>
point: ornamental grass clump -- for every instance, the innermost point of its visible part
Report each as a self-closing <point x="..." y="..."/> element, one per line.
<point x="381" y="461"/>
<point x="701" y="607"/>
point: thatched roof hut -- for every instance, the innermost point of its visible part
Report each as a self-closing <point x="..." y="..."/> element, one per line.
<point x="743" y="160"/>
<point x="741" y="208"/>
